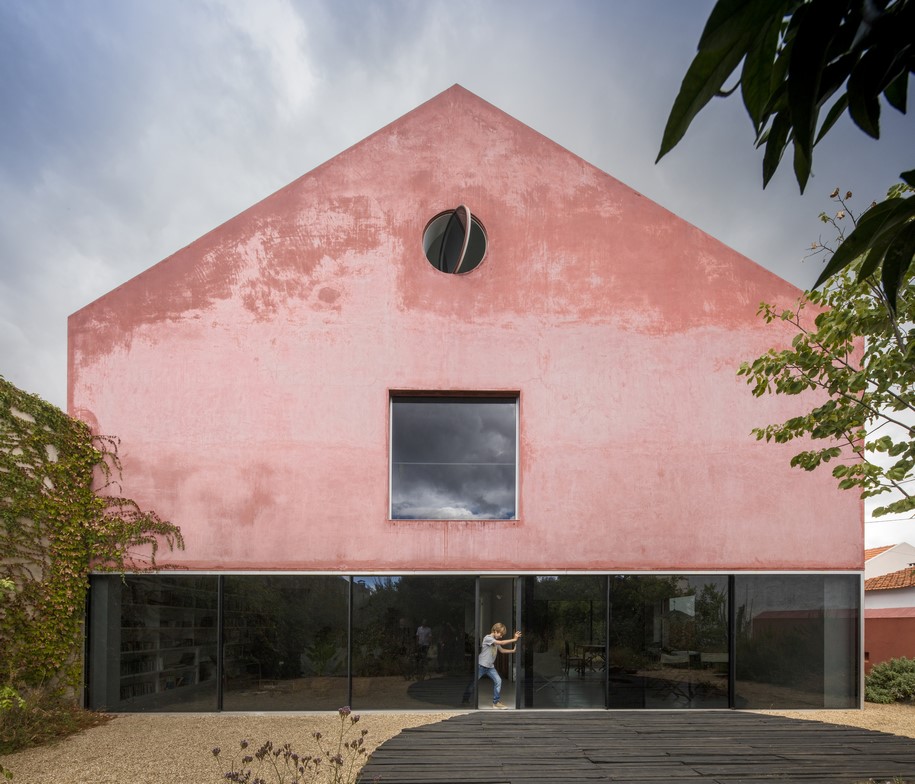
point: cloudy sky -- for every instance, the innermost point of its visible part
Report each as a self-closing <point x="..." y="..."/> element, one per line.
<point x="132" y="127"/>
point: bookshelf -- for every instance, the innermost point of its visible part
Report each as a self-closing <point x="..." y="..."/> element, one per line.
<point x="167" y="639"/>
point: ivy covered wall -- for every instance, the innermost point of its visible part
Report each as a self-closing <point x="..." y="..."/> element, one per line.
<point x="60" y="516"/>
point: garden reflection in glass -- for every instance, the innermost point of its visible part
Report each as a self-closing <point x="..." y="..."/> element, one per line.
<point x="564" y="618"/>
<point x="453" y="458"/>
<point x="668" y="641"/>
<point x="394" y="666"/>
<point x="285" y="642"/>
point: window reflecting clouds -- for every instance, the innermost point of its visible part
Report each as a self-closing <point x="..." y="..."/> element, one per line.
<point x="453" y="458"/>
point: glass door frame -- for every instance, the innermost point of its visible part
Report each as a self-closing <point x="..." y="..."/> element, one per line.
<point x="487" y="615"/>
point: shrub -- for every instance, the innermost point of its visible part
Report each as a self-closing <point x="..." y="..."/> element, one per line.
<point x="891" y="681"/>
<point x="36" y="716"/>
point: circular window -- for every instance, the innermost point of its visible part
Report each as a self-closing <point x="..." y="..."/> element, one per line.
<point x="454" y="241"/>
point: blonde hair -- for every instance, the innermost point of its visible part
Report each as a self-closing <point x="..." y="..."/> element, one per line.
<point x="498" y="627"/>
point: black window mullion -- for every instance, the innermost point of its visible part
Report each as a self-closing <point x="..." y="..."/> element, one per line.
<point x="220" y="638"/>
<point x="732" y="641"/>
<point x="349" y="644"/>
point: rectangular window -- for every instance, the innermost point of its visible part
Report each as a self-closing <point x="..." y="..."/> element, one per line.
<point x="454" y="458"/>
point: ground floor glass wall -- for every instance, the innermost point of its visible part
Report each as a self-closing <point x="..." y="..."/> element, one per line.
<point x="316" y="642"/>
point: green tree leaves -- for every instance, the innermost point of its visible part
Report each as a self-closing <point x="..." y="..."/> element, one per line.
<point x="884" y="238"/>
<point x="857" y="352"/>
<point x="797" y="56"/>
<point x="733" y="30"/>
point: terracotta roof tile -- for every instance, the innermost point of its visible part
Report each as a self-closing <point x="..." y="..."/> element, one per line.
<point x="868" y="554"/>
<point x="904" y="578"/>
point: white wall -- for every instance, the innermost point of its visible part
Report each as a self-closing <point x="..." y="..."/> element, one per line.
<point x="898" y="557"/>
<point x="897" y="597"/>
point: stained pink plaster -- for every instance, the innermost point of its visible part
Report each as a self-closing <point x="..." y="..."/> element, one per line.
<point x="248" y="375"/>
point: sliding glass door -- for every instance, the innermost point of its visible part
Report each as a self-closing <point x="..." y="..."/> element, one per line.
<point x="565" y="644"/>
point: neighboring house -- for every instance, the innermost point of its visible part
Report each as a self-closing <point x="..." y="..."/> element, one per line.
<point x="889" y="602"/>
<point x="886" y="559"/>
<point x="366" y="404"/>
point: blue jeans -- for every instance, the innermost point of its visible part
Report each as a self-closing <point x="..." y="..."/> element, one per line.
<point x="493" y="675"/>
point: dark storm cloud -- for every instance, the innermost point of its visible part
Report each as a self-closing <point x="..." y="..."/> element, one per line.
<point x="453" y="459"/>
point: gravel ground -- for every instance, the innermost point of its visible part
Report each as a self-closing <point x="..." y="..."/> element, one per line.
<point x="156" y="748"/>
<point x="177" y="748"/>
<point x="897" y="719"/>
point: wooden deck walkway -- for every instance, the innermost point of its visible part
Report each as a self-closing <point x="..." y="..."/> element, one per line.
<point x="642" y="747"/>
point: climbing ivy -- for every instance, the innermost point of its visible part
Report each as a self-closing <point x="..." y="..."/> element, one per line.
<point x="61" y="515"/>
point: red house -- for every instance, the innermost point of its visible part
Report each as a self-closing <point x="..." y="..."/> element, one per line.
<point x="889" y="603"/>
<point x="458" y="374"/>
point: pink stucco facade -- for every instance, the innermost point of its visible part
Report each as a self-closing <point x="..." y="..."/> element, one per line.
<point x="248" y="376"/>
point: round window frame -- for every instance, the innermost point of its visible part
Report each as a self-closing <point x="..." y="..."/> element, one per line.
<point x="434" y="245"/>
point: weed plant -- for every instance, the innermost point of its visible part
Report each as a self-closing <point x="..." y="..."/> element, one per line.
<point x="38" y="716"/>
<point x="339" y="760"/>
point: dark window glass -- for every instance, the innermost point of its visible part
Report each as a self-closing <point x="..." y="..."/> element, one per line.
<point x="661" y="643"/>
<point x="797" y="641"/>
<point x="453" y="458"/>
<point x="564" y="645"/>
<point x="412" y="641"/>
<point x="454" y="242"/>
<point x="285" y="642"/>
<point x="668" y="641"/>
<point x="153" y="643"/>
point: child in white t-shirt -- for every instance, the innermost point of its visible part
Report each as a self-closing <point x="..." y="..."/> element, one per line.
<point x="491" y="645"/>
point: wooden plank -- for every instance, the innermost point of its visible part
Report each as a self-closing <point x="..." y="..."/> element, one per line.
<point x="725" y="747"/>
